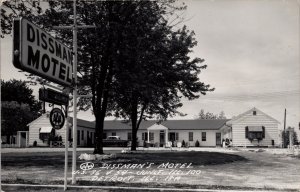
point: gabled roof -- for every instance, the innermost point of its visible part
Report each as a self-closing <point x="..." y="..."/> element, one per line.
<point x="234" y="119"/>
<point x="37" y="119"/>
<point x="157" y="127"/>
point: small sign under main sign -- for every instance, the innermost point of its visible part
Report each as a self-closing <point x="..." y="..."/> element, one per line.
<point x="37" y="52"/>
<point x="52" y="96"/>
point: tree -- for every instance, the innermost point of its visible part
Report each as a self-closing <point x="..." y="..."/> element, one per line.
<point x="222" y="115"/>
<point x="156" y="70"/>
<point x="209" y="115"/>
<point x="17" y="90"/>
<point x="19" y="107"/>
<point x="286" y="138"/>
<point x="201" y="114"/>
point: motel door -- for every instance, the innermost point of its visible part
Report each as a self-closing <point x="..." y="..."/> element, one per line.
<point x="23" y="139"/>
<point x="162" y="138"/>
<point x="218" y="139"/>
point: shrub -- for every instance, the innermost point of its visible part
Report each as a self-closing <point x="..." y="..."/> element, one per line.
<point x="34" y="143"/>
<point x="197" y="144"/>
<point x="183" y="143"/>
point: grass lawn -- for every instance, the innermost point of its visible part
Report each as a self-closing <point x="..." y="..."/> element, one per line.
<point x="194" y="157"/>
<point x="241" y="170"/>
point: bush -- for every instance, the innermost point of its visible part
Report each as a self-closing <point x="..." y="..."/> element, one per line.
<point x="197" y="144"/>
<point x="34" y="143"/>
<point x="183" y="143"/>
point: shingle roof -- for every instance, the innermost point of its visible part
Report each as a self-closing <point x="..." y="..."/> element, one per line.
<point x="83" y="123"/>
<point x="249" y="111"/>
<point x="201" y="124"/>
<point x="171" y="124"/>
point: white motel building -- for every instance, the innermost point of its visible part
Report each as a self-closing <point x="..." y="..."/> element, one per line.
<point x="252" y="128"/>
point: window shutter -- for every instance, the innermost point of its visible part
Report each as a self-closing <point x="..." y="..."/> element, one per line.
<point x="177" y="136"/>
<point x="263" y="132"/>
<point x="246" y="132"/>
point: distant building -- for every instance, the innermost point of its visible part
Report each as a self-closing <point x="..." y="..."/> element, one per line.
<point x="252" y="128"/>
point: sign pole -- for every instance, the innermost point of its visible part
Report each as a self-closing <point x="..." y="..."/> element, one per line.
<point x="66" y="149"/>
<point x="74" y="95"/>
<point x="74" y="143"/>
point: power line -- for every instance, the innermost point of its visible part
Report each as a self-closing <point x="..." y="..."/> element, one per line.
<point x="241" y="97"/>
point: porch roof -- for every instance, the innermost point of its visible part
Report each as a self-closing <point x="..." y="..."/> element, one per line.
<point x="157" y="127"/>
<point x="46" y="129"/>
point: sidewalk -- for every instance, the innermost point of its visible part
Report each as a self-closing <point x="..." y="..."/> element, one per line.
<point x="90" y="150"/>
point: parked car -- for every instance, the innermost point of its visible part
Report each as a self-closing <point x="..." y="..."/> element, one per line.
<point x="114" y="141"/>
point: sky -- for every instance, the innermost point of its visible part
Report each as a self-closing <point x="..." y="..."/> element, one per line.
<point x="251" y="48"/>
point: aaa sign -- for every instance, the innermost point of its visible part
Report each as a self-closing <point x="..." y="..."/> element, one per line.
<point x="37" y="52"/>
<point x="57" y="118"/>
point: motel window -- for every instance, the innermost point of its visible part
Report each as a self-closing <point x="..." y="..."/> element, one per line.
<point x="70" y="134"/>
<point x="254" y="112"/>
<point x="191" y="136"/>
<point x="151" y="136"/>
<point x="78" y="137"/>
<point x="113" y="134"/>
<point x="203" y="136"/>
<point x="176" y="136"/>
<point x="145" y="136"/>
<point x="255" y="132"/>
<point x="82" y="135"/>
<point x="129" y="136"/>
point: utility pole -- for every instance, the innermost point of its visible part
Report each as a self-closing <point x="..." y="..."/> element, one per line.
<point x="284" y="125"/>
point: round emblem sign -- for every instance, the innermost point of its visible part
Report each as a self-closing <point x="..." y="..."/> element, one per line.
<point x="57" y="118"/>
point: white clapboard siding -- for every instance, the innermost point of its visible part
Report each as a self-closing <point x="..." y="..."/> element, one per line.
<point x="43" y="121"/>
<point x="34" y="130"/>
<point x="260" y="119"/>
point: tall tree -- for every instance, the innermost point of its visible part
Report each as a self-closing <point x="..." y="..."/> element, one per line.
<point x="285" y="135"/>
<point x="157" y="71"/>
<point x="19" y="106"/>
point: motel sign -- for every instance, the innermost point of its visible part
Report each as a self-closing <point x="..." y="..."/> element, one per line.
<point x="37" y="52"/>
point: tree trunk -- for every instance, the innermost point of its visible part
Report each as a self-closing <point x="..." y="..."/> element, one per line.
<point x="99" y="135"/>
<point x="134" y="140"/>
<point x="134" y="106"/>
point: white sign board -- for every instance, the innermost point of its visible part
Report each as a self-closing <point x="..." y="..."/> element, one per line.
<point x="37" y="52"/>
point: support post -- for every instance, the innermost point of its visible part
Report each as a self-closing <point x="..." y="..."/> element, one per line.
<point x="148" y="138"/>
<point x="166" y="137"/>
